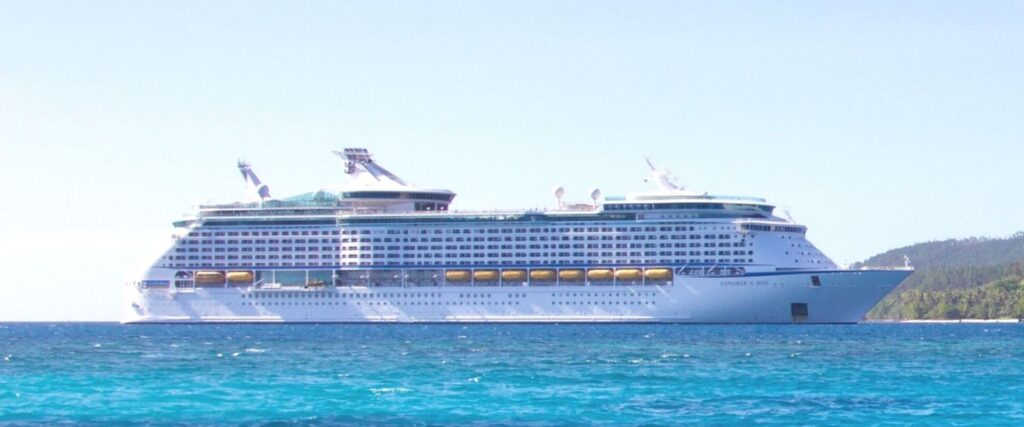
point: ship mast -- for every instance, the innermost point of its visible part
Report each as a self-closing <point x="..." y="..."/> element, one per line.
<point x="259" y="190"/>
<point x="358" y="160"/>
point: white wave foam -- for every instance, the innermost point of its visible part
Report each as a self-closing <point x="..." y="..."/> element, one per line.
<point x="389" y="390"/>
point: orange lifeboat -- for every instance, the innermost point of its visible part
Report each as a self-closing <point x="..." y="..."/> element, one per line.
<point x="485" y="275"/>
<point x="628" y="274"/>
<point x="209" y="278"/>
<point x="240" y="276"/>
<point x="658" y="274"/>
<point x="456" y="275"/>
<point x="570" y="275"/>
<point x="542" y="275"/>
<point x="513" y="275"/>
<point x="599" y="274"/>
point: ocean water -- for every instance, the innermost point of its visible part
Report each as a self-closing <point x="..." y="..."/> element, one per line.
<point x="109" y="374"/>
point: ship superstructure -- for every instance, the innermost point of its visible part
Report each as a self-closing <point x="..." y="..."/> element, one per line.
<point x="380" y="249"/>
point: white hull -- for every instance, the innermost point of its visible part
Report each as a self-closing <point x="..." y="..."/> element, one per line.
<point x="844" y="296"/>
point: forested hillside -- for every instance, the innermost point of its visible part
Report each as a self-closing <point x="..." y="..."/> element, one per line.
<point x="972" y="252"/>
<point x="971" y="278"/>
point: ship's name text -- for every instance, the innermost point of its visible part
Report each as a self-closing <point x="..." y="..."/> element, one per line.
<point x="746" y="283"/>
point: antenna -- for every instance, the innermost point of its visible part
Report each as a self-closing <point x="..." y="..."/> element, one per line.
<point x="594" y="195"/>
<point x="788" y="216"/>
<point x="648" y="159"/>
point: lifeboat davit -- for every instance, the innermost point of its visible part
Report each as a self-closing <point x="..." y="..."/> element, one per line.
<point x="570" y="275"/>
<point x="513" y="275"/>
<point x="485" y="275"/>
<point x="209" y="278"/>
<point x="542" y="275"/>
<point x="456" y="275"/>
<point x="628" y="274"/>
<point x="658" y="274"/>
<point x="599" y="274"/>
<point x="240" y="276"/>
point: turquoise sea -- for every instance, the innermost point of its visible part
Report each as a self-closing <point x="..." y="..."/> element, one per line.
<point x="109" y="374"/>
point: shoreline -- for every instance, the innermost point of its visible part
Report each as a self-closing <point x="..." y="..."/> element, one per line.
<point x="864" y="322"/>
<point x="947" y="321"/>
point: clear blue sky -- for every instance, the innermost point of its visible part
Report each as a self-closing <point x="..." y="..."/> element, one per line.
<point x="877" y="124"/>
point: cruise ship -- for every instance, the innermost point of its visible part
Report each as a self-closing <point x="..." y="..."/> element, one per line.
<point x="380" y="249"/>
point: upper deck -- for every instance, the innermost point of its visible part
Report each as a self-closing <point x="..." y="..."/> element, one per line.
<point x="374" y="194"/>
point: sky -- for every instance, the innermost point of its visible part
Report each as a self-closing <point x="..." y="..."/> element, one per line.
<point x="878" y="124"/>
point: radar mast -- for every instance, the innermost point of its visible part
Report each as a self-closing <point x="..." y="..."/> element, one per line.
<point x="359" y="161"/>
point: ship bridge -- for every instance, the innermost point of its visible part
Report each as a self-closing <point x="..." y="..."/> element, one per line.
<point x="683" y="202"/>
<point x="703" y="206"/>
